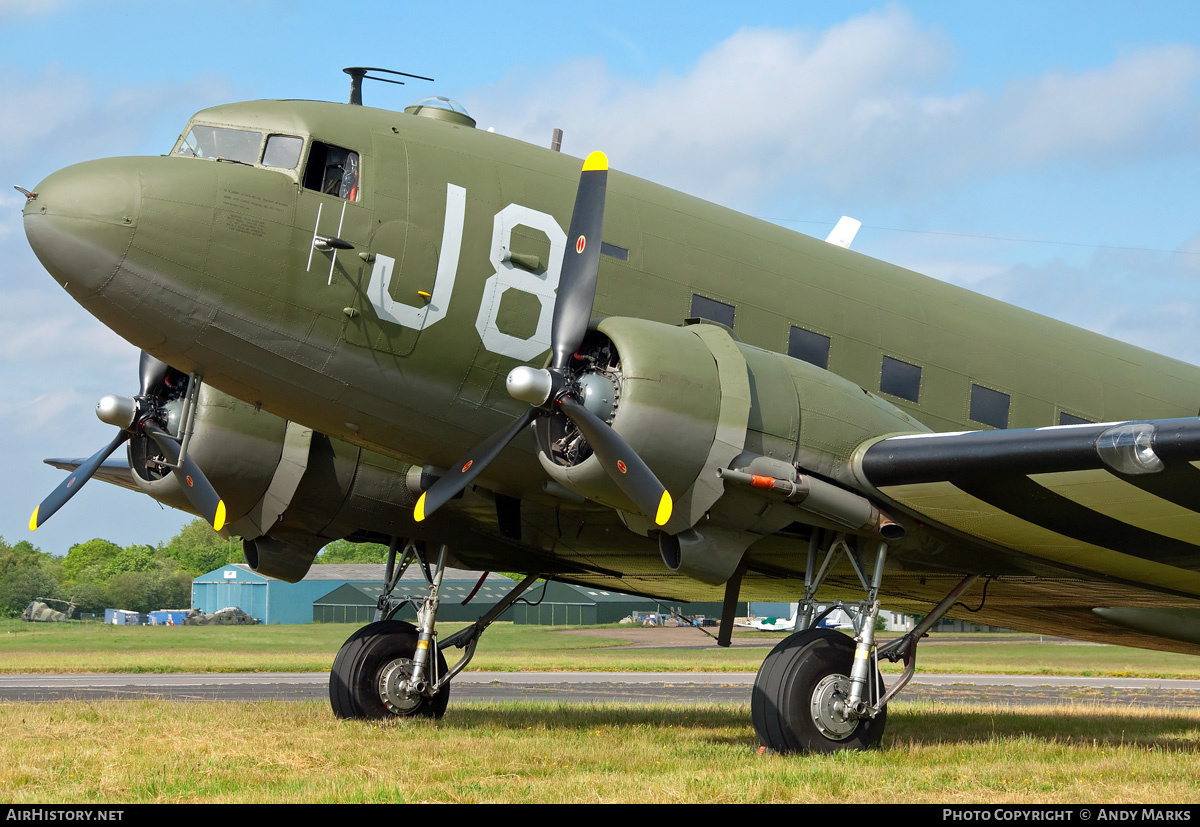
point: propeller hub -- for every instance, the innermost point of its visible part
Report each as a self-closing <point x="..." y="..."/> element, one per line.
<point x="530" y="385"/>
<point x="120" y="411"/>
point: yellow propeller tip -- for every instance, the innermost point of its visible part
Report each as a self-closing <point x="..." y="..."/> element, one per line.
<point x="219" y="517"/>
<point x="597" y="160"/>
<point x="664" y="509"/>
<point x="33" y="523"/>
<point x="419" y="510"/>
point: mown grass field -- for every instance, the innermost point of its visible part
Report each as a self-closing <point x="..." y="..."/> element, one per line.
<point x="163" y="751"/>
<point x="77" y="647"/>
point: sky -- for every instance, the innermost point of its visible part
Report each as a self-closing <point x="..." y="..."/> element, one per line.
<point x="1046" y="154"/>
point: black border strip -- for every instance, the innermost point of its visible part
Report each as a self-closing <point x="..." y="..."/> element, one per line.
<point x="1035" y="503"/>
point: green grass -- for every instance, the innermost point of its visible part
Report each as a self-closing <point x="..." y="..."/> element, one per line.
<point x="79" y="647"/>
<point x="167" y="751"/>
<point x="163" y="751"/>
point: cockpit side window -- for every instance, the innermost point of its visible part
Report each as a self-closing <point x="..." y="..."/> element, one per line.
<point x="332" y="170"/>
<point x="283" y="151"/>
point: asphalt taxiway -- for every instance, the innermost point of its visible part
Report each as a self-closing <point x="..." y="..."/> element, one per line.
<point x="597" y="687"/>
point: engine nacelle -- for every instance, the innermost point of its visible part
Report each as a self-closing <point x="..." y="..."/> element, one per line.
<point x="288" y="491"/>
<point x="692" y="401"/>
<point x="237" y="446"/>
<point x="659" y="388"/>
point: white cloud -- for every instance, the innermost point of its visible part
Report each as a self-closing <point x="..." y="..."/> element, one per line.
<point x="55" y="118"/>
<point x="1137" y="296"/>
<point x="760" y="105"/>
<point x="1107" y="113"/>
<point x="30" y="333"/>
<point x="848" y="110"/>
<point x="29" y="8"/>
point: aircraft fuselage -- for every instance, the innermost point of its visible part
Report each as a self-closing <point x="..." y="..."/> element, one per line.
<point x="211" y="266"/>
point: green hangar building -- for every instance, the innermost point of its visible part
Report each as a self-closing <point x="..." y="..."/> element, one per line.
<point x="276" y="601"/>
<point x="349" y="593"/>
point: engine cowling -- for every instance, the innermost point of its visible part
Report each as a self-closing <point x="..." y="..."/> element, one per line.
<point x="658" y="387"/>
<point x="288" y="490"/>
<point x="692" y="401"/>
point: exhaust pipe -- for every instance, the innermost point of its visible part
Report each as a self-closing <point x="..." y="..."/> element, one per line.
<point x="823" y="499"/>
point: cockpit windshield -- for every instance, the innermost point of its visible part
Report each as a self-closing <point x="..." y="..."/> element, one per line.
<point x="221" y="143"/>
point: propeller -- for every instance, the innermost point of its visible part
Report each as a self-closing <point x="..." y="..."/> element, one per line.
<point x="554" y="390"/>
<point x="142" y="415"/>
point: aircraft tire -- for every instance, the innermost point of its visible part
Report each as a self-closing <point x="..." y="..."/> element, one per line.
<point x="798" y="670"/>
<point x="354" y="678"/>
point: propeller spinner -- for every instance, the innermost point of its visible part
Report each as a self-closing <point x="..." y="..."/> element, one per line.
<point x="139" y="416"/>
<point x="554" y="391"/>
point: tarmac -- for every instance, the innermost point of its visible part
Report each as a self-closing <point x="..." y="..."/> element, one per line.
<point x="619" y="687"/>
<point x="593" y="687"/>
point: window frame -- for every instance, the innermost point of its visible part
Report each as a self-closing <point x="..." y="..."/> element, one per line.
<point x="983" y="400"/>
<point x="313" y="143"/>
<point x="810" y="337"/>
<point x="695" y="314"/>
<point x="904" y="378"/>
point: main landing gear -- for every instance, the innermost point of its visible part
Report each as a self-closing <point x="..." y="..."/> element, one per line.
<point x="821" y="691"/>
<point x="393" y="668"/>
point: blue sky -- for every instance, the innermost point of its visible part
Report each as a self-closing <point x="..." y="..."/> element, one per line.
<point x="1047" y="154"/>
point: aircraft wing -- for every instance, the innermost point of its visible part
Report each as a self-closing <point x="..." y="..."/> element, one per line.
<point x="1117" y="499"/>
<point x="113" y="470"/>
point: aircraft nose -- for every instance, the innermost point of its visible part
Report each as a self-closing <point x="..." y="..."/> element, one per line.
<point x="82" y="220"/>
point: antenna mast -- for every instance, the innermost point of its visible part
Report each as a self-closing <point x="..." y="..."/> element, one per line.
<point x="357" y="73"/>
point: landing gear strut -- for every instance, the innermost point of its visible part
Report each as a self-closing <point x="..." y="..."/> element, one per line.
<point x="821" y="691"/>
<point x="393" y="668"/>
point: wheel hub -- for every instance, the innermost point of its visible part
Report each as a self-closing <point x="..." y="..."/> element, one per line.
<point x="828" y="707"/>
<point x="394" y="688"/>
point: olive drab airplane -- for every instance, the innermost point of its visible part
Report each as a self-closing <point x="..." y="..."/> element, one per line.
<point x="393" y="326"/>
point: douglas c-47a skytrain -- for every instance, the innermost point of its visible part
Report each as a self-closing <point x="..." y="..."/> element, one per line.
<point x="397" y="327"/>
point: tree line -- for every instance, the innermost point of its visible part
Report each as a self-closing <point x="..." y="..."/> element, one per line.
<point x="98" y="574"/>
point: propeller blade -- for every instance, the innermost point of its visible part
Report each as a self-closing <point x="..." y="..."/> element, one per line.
<point x="152" y="372"/>
<point x="195" y="485"/>
<point x="621" y="462"/>
<point x="581" y="262"/>
<point x="470" y="466"/>
<point x="67" y="488"/>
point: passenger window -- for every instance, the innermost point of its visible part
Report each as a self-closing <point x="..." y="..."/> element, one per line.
<point x="283" y="151"/>
<point x="332" y="170"/>
<point x="900" y="379"/>
<point x="711" y="309"/>
<point x="808" y="346"/>
<point x="989" y="407"/>
<point x="1065" y="418"/>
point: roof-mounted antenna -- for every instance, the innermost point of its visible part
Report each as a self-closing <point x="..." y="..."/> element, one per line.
<point x="357" y="73"/>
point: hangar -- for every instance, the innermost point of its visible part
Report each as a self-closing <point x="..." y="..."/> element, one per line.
<point x="565" y="604"/>
<point x="349" y="593"/>
<point x="276" y="601"/>
<point x="356" y="602"/>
